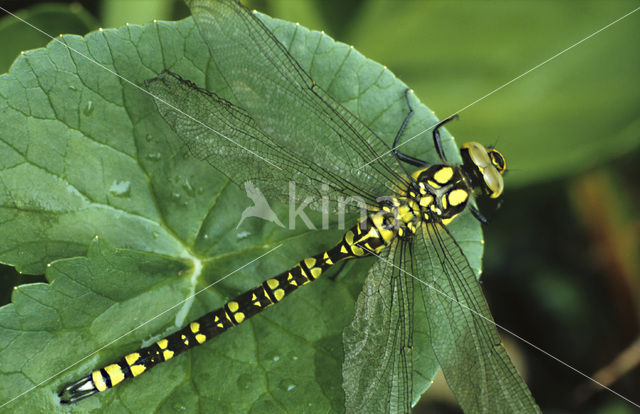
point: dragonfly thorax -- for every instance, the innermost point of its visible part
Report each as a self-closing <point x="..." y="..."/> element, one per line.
<point x="441" y="192"/>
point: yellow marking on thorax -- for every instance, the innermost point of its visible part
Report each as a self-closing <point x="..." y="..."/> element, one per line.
<point x="405" y="214"/>
<point x="115" y="374"/>
<point x="443" y="175"/>
<point x="98" y="381"/>
<point x="457" y="197"/>
<point x="426" y="201"/>
<point x="448" y="220"/>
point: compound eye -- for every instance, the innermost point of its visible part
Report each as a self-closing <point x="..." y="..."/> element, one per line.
<point x="478" y="154"/>
<point x="493" y="180"/>
<point x="497" y="160"/>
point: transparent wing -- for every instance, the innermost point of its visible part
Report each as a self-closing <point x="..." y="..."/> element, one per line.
<point x="227" y="138"/>
<point x="378" y="362"/>
<point x="463" y="335"/>
<point x="287" y="105"/>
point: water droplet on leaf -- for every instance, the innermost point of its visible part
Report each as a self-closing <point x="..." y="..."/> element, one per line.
<point x="120" y="188"/>
<point x="188" y="187"/>
<point x="243" y="235"/>
<point x="287" y="384"/>
<point x="88" y="110"/>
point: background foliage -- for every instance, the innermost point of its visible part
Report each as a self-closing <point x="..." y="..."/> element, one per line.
<point x="562" y="257"/>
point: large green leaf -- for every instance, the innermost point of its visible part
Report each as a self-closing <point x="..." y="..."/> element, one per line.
<point x="85" y="153"/>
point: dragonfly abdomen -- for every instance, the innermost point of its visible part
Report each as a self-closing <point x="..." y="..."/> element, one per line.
<point x="357" y="242"/>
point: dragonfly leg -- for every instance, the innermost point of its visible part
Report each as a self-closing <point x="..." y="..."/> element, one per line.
<point x="436" y="137"/>
<point x="478" y="215"/>
<point x="400" y="155"/>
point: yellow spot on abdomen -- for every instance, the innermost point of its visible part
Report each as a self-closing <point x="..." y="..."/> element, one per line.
<point x="132" y="358"/>
<point x="233" y="306"/>
<point x="272" y="283"/>
<point x="195" y="327"/>
<point x="349" y="237"/>
<point x="201" y="338"/>
<point x="239" y="317"/>
<point x="316" y="272"/>
<point x="358" y="251"/>
<point x="115" y="374"/>
<point x="98" y="381"/>
<point x="167" y="354"/>
<point x="278" y="294"/>
<point x="137" y="369"/>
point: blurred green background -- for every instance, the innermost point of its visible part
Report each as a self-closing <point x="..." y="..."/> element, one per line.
<point x="562" y="262"/>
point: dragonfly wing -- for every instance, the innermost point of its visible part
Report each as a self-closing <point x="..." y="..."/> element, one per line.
<point x="463" y="335"/>
<point x="378" y="362"/>
<point x="228" y="138"/>
<point x="287" y="104"/>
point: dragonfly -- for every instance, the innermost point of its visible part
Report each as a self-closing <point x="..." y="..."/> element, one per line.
<point x="409" y="203"/>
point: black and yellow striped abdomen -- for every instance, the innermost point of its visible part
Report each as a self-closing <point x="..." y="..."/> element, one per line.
<point x="371" y="234"/>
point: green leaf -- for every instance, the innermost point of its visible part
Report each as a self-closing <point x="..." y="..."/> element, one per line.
<point x="84" y="153"/>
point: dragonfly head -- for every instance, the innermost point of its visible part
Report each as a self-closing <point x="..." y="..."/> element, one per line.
<point x="484" y="167"/>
